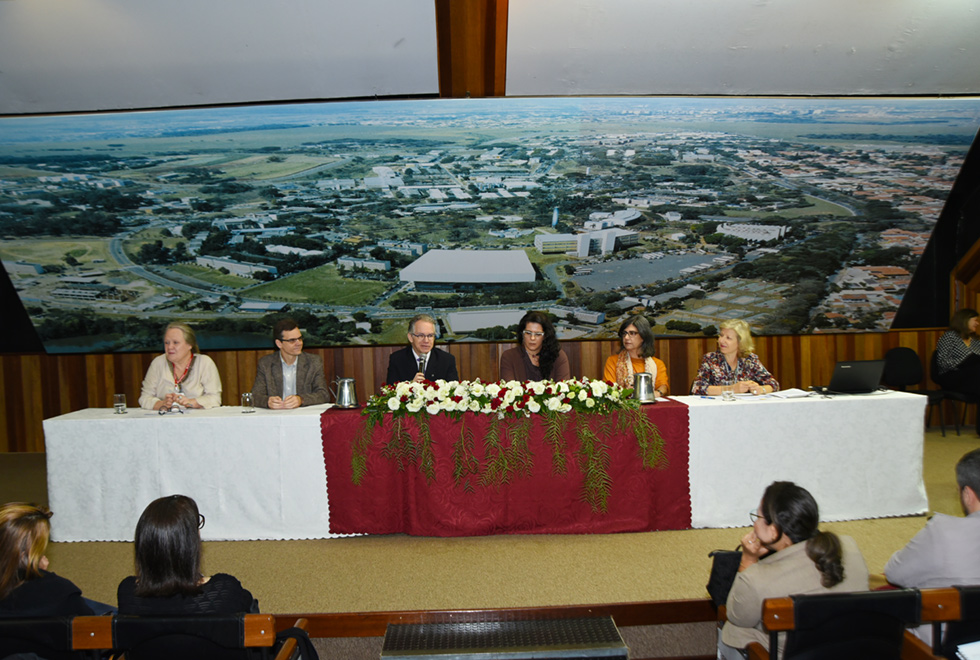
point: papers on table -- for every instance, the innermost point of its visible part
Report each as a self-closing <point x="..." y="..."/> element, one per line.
<point x="791" y="393"/>
<point x="970" y="651"/>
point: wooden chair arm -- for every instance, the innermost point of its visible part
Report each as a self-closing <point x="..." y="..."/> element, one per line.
<point x="260" y="630"/>
<point x="289" y="647"/>
<point x="778" y="614"/>
<point x="940" y="604"/>
<point x="914" y="648"/>
<point x="91" y="632"/>
<point x="756" y="651"/>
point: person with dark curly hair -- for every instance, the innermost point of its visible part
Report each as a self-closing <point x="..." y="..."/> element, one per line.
<point x="538" y="356"/>
<point x="785" y="553"/>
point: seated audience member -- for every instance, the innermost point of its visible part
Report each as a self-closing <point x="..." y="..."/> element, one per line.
<point x="943" y="553"/>
<point x="538" y="356"/>
<point x="418" y="361"/>
<point x="958" y="354"/>
<point x="289" y="378"/>
<point x="733" y="363"/>
<point x="786" y="554"/>
<point x="169" y="579"/>
<point x="181" y="376"/>
<point x="27" y="588"/>
<point x="636" y="355"/>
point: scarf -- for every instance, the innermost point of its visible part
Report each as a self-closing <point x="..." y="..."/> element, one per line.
<point x="624" y="369"/>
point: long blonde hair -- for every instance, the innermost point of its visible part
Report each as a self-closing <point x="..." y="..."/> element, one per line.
<point x="745" y="342"/>
<point x="24" y="533"/>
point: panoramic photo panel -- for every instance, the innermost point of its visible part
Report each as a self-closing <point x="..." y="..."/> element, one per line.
<point x="796" y="215"/>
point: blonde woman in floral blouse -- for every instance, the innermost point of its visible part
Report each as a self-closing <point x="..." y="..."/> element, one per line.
<point x="733" y="363"/>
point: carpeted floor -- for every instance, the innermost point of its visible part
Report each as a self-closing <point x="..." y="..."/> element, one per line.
<point x="401" y="573"/>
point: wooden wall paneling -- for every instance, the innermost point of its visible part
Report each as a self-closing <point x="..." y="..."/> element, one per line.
<point x="34" y="387"/>
<point x="471" y="38"/>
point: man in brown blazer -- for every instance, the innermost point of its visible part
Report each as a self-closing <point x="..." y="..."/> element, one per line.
<point x="289" y="378"/>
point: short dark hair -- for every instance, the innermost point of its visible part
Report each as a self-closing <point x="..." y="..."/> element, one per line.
<point x="168" y="548"/>
<point x="794" y="512"/>
<point x="968" y="471"/>
<point x="960" y="323"/>
<point x="281" y="326"/>
<point x="646" y="334"/>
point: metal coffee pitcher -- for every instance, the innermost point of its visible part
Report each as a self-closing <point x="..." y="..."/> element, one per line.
<point x="346" y="395"/>
<point x="643" y="388"/>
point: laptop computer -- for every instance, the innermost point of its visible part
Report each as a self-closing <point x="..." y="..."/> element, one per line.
<point x="855" y="377"/>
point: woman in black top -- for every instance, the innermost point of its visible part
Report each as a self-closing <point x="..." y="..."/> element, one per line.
<point x="168" y="578"/>
<point x="958" y="354"/>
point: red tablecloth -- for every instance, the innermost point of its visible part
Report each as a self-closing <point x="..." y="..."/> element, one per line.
<point x="391" y="501"/>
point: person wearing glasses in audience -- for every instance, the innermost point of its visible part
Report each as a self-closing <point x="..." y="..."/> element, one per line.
<point x="785" y="553"/>
<point x="538" y="356"/>
<point x="734" y="364"/>
<point x="169" y="580"/>
<point x="418" y="361"/>
<point x="181" y="376"/>
<point x="636" y="349"/>
<point x="289" y="378"/>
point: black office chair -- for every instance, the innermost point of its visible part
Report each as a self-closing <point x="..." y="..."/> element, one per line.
<point x="961" y="630"/>
<point x="846" y="626"/>
<point x="216" y="637"/>
<point x="954" y="397"/>
<point x="48" y="637"/>
<point x="903" y="369"/>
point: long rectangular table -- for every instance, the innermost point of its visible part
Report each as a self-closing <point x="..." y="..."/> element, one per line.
<point x="262" y="475"/>
<point x="254" y="476"/>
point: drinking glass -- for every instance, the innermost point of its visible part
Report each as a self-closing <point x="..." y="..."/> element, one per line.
<point x="727" y="392"/>
<point x="248" y="405"/>
<point x="119" y="404"/>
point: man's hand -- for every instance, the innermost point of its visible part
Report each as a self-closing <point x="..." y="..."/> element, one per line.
<point x="419" y="377"/>
<point x="276" y="403"/>
<point x="292" y="401"/>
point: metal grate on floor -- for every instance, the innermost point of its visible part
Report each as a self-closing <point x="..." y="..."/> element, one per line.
<point x="512" y="640"/>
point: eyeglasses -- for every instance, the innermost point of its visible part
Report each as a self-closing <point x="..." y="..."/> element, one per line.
<point x="535" y="335"/>
<point x="200" y="521"/>
<point x="293" y="340"/>
<point x="753" y="516"/>
<point x="418" y="336"/>
<point x="630" y="333"/>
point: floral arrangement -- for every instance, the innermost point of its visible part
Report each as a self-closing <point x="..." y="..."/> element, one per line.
<point x="504" y="398"/>
<point x="595" y="409"/>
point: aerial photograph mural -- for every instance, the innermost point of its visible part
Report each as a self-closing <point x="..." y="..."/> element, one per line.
<point x="797" y="215"/>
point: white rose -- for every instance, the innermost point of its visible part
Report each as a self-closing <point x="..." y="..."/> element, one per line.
<point x="413" y="406"/>
<point x="590" y="403"/>
<point x="394" y="404"/>
<point x="583" y="395"/>
<point x="564" y="408"/>
<point x="493" y="389"/>
<point x="533" y="406"/>
<point x="554" y="403"/>
<point x="474" y="406"/>
<point x="432" y="409"/>
<point x="476" y="388"/>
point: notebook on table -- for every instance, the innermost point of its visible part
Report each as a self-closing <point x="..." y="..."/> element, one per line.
<point x="855" y="377"/>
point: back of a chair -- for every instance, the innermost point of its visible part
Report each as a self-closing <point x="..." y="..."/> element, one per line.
<point x="225" y="637"/>
<point x="47" y="637"/>
<point x="866" y="624"/>
<point x="902" y="368"/>
<point x="967" y="627"/>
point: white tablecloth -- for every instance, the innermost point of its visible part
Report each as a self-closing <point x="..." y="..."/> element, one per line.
<point x="254" y="476"/>
<point x="860" y="456"/>
<point x="261" y="475"/>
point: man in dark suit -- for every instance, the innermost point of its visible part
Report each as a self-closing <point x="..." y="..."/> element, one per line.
<point x="418" y="361"/>
<point x="289" y="378"/>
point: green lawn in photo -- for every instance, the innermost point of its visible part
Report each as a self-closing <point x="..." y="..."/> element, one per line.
<point x="212" y="276"/>
<point x="53" y="251"/>
<point x="320" y="285"/>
